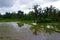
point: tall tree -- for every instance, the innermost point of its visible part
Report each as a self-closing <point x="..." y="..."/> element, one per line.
<point x="20" y="14"/>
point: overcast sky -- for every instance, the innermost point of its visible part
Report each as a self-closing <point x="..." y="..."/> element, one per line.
<point x="24" y="5"/>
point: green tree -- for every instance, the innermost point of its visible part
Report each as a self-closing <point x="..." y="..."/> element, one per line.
<point x="20" y="14"/>
<point x="7" y="15"/>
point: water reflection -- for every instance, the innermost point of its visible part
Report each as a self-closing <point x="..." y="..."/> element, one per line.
<point x="46" y="27"/>
<point x="11" y="31"/>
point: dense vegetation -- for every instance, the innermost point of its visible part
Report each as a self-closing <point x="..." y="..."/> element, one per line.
<point x="39" y="15"/>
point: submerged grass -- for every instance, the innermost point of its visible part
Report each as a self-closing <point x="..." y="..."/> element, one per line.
<point x="20" y="24"/>
<point x="46" y="27"/>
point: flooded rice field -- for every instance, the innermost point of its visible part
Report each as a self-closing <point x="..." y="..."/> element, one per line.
<point x="11" y="31"/>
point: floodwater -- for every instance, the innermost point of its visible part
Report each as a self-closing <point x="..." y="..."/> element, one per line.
<point x="11" y="31"/>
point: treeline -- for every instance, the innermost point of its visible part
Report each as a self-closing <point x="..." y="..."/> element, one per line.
<point x="12" y="15"/>
<point x="48" y="14"/>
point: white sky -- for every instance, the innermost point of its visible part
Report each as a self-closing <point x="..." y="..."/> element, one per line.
<point x="24" y="5"/>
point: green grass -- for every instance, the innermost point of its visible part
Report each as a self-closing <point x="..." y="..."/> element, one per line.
<point x="43" y="27"/>
<point x="20" y="24"/>
<point x="16" y="20"/>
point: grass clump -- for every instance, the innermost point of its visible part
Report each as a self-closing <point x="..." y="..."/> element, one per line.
<point x="20" y="24"/>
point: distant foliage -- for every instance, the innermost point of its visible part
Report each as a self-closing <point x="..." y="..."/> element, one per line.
<point x="39" y="15"/>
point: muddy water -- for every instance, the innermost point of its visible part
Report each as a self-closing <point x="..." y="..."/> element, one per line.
<point x="11" y="31"/>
